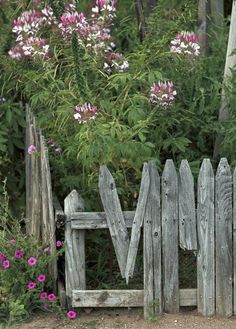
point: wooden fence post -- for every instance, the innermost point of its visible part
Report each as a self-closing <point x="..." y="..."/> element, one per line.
<point x="75" y="248"/>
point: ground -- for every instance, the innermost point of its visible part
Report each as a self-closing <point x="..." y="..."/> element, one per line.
<point x="128" y="319"/>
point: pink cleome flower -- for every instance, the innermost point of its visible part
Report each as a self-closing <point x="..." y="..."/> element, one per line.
<point x="32" y="261"/>
<point x="31" y="285"/>
<point x="186" y="43"/>
<point x="51" y="297"/>
<point x="163" y="94"/>
<point x="6" y="263"/>
<point x="32" y="149"/>
<point x="19" y="254"/>
<point x="41" y="278"/>
<point x="85" y="112"/>
<point x="71" y="314"/>
<point x="43" y="295"/>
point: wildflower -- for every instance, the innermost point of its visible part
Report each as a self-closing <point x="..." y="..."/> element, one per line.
<point x="2" y="257"/>
<point x="71" y="314"/>
<point x="12" y="241"/>
<point x="31" y="285"/>
<point x="186" y="43"/>
<point x="41" y="278"/>
<point x="16" y="52"/>
<point x="115" y="62"/>
<point x="43" y="295"/>
<point x="32" y="149"/>
<point x="51" y="297"/>
<point x="46" y="250"/>
<point x="85" y="112"/>
<point x="163" y="93"/>
<point x="19" y="254"/>
<point x="58" y="244"/>
<point x="6" y="263"/>
<point x="32" y="261"/>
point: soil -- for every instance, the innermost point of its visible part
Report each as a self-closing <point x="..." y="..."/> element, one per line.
<point x="128" y="319"/>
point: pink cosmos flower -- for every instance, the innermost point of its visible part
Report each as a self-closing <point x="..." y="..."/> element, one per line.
<point x="2" y="257"/>
<point x="71" y="314"/>
<point x="51" y="297"/>
<point x="43" y="295"/>
<point x="58" y="244"/>
<point x="31" y="285"/>
<point x="41" y="278"/>
<point x="19" y="254"/>
<point x="6" y="263"/>
<point x="32" y="261"/>
<point x="32" y="149"/>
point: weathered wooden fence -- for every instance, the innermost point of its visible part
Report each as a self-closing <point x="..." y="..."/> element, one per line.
<point x="40" y="221"/>
<point x="171" y="215"/>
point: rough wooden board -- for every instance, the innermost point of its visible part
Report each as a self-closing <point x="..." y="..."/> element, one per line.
<point x="152" y="247"/>
<point x="123" y="298"/>
<point x="96" y="220"/>
<point x="187" y="215"/>
<point x="28" y="184"/>
<point x="61" y="294"/>
<point x="114" y="216"/>
<point x="205" y="227"/>
<point x="223" y="242"/>
<point x="234" y="239"/>
<point x="217" y="11"/>
<point x="137" y="223"/>
<point x="170" y="238"/>
<point x="204" y="9"/>
<point x="75" y="248"/>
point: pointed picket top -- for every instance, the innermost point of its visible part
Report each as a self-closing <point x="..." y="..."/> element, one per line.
<point x="224" y="241"/>
<point x="114" y="216"/>
<point x="137" y="223"/>
<point x="187" y="214"/>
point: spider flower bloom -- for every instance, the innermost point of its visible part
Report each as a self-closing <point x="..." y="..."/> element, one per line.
<point x="71" y="314"/>
<point x="32" y="149"/>
<point x="19" y="254"/>
<point x="163" y="93"/>
<point x="31" y="285"/>
<point x="41" y="278"/>
<point x="85" y="112"/>
<point x="51" y="297"/>
<point x="6" y="264"/>
<point x="43" y="295"/>
<point x="186" y="43"/>
<point x="32" y="261"/>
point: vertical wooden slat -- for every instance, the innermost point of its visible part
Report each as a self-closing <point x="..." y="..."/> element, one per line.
<point x="114" y="216"/>
<point x="170" y="238"/>
<point x="75" y="248"/>
<point x="137" y="223"/>
<point x="234" y="239"/>
<point x="205" y="226"/>
<point x="152" y="247"/>
<point x="223" y="243"/>
<point x="187" y="215"/>
<point x="217" y="11"/>
<point x="27" y="169"/>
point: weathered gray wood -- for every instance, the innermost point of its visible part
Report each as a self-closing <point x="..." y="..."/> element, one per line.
<point x="28" y="184"/>
<point x="206" y="232"/>
<point x="223" y="242"/>
<point x="217" y="11"/>
<point x="123" y="298"/>
<point x="204" y="8"/>
<point x="114" y="216"/>
<point x="137" y="223"/>
<point x="187" y="214"/>
<point x="170" y="238"/>
<point x="234" y="239"/>
<point x="75" y="248"/>
<point x="152" y="247"/>
<point x="96" y="220"/>
<point x="107" y="298"/>
<point x="61" y="294"/>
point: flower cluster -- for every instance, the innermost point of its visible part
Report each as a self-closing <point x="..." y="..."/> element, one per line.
<point x="115" y="62"/>
<point x="85" y="112"/>
<point x="30" y="48"/>
<point x="163" y="94"/>
<point x="55" y="147"/>
<point x="186" y="43"/>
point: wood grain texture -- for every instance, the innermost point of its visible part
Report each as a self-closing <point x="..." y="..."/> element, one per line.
<point x="114" y="216"/>
<point x="234" y="239"/>
<point x="123" y="298"/>
<point x="206" y="232"/>
<point x="217" y="11"/>
<point x="170" y="238"/>
<point x="75" y="247"/>
<point x="96" y="220"/>
<point x="187" y="214"/>
<point x="152" y="247"/>
<point x="137" y="223"/>
<point x="223" y="242"/>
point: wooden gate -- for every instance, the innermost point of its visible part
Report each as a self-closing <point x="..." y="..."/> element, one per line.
<point x="167" y="213"/>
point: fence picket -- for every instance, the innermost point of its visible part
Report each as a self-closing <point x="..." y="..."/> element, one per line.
<point x="234" y="239"/>
<point x="187" y="215"/>
<point x="223" y="243"/>
<point x="137" y="223"/>
<point x="205" y="226"/>
<point x="114" y="216"/>
<point x="152" y="247"/>
<point x="170" y="238"/>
